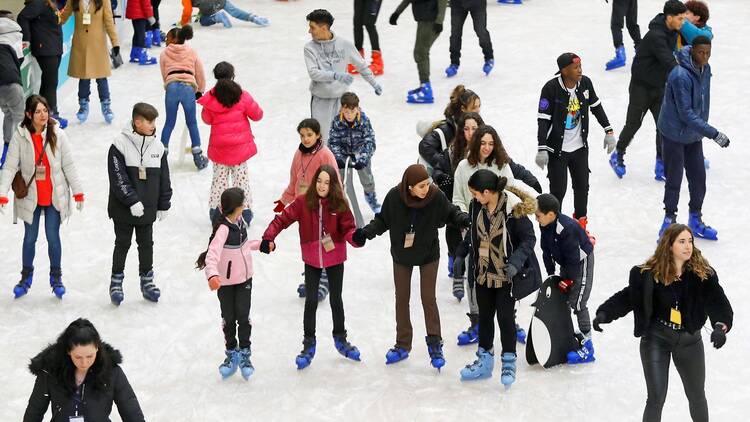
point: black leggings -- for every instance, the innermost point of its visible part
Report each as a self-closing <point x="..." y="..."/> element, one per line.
<point x="155" y="5"/>
<point x="139" y="32"/>
<point x="335" y="285"/>
<point x="234" y="301"/>
<point x="498" y="301"/>
<point x="366" y="14"/>
<point x="50" y="66"/>
<point x="657" y="346"/>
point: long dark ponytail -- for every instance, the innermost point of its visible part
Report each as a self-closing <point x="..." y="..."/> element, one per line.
<point x="230" y="200"/>
<point x="484" y="179"/>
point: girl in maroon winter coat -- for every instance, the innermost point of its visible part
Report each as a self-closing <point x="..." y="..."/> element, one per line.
<point x="325" y="226"/>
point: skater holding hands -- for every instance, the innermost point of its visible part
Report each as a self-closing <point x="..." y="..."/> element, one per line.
<point x="325" y="226"/>
<point x="229" y="269"/>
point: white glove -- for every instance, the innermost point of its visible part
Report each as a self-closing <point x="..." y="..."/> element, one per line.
<point x="378" y="89"/>
<point x="610" y="142"/>
<point x="151" y="21"/>
<point x="137" y="209"/>
<point x="542" y="158"/>
<point x="344" y="78"/>
<point x="79" y="205"/>
<point x="161" y="215"/>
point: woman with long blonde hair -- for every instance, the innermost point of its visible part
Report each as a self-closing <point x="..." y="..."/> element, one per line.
<point x="671" y="296"/>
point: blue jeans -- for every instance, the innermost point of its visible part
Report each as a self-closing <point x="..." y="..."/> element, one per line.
<point x="84" y="89"/>
<point x="51" y="230"/>
<point x="230" y="8"/>
<point x="180" y="93"/>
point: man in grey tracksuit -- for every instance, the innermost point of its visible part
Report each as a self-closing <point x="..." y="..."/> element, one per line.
<point x="326" y="58"/>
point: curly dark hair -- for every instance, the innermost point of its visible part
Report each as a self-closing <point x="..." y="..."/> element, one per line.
<point x="460" y="143"/>
<point x="499" y="156"/>
<point x="699" y="9"/>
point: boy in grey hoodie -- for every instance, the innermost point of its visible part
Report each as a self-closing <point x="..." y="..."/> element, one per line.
<point x="326" y="57"/>
<point x="11" y="91"/>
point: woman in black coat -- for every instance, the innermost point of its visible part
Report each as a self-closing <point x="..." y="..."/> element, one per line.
<point x="412" y="212"/>
<point x="80" y="376"/>
<point x="671" y="296"/>
<point x="42" y="33"/>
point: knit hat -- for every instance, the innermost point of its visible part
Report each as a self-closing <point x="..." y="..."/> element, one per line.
<point x="414" y="175"/>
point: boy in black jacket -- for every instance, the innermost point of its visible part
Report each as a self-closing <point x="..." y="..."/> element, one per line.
<point x="653" y="61"/>
<point x="139" y="193"/>
<point x="11" y="91"/>
<point x="563" y="131"/>
<point x="566" y="243"/>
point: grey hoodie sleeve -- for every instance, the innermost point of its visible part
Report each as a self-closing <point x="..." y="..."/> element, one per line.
<point x="361" y="65"/>
<point x="314" y="70"/>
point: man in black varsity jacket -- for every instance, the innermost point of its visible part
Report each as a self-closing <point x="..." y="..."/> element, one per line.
<point x="563" y="131"/>
<point x="139" y="193"/>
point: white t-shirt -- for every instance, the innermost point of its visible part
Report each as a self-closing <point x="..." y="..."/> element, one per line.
<point x="572" y="139"/>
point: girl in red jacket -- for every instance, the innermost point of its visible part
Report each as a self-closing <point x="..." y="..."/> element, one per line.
<point x="325" y="225"/>
<point x="229" y="269"/>
<point x="227" y="108"/>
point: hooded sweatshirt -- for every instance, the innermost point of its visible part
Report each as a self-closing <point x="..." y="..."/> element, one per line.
<point x="654" y="57"/>
<point x="130" y="152"/>
<point x="180" y="63"/>
<point x="228" y="255"/>
<point x="232" y="141"/>
<point x="11" y="52"/>
<point x="687" y="100"/>
<point x="326" y="58"/>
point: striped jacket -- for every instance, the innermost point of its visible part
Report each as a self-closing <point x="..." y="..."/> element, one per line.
<point x="553" y="108"/>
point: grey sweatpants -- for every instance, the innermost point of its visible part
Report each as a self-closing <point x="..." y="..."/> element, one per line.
<point x="368" y="184"/>
<point x="324" y="110"/>
<point x="578" y="296"/>
<point x="12" y="104"/>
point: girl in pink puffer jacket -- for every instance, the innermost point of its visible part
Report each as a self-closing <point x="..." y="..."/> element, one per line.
<point x="229" y="269"/>
<point x="226" y="108"/>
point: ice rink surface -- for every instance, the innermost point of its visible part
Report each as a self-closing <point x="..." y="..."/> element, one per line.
<point x="172" y="349"/>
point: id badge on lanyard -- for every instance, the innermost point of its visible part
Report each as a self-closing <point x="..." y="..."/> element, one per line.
<point x="327" y="242"/>
<point x="141" y="173"/>
<point x="303" y="188"/>
<point x="86" y="15"/>
<point x="675" y="316"/>
<point x="77" y="419"/>
<point x="409" y="238"/>
<point x="41" y="172"/>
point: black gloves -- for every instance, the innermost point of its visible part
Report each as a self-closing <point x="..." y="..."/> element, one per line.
<point x="358" y="165"/>
<point x="341" y="163"/>
<point x="115" y="57"/>
<point x="444" y="179"/>
<point x="601" y="318"/>
<point x="359" y="237"/>
<point x="510" y="271"/>
<point x="718" y="337"/>
<point x="464" y="221"/>
<point x="393" y="19"/>
<point x="438" y="28"/>
<point x="265" y="246"/>
<point x="198" y="95"/>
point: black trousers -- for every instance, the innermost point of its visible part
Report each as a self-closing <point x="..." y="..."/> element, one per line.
<point x="234" y="301"/>
<point x="139" y="32"/>
<point x="577" y="164"/>
<point x="679" y="157"/>
<point x="155" y="5"/>
<point x="335" y="285"/>
<point x="626" y="10"/>
<point x="460" y="9"/>
<point x="143" y="236"/>
<point x="366" y="14"/>
<point x="642" y="100"/>
<point x="50" y="66"/>
<point x="452" y="239"/>
<point x="496" y="301"/>
<point x="660" y="344"/>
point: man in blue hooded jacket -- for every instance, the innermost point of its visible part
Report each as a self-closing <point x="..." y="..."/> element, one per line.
<point x="683" y="123"/>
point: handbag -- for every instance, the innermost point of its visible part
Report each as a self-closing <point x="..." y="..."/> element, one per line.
<point x="20" y="187"/>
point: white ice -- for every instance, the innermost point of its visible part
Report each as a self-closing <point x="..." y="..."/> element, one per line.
<point x="172" y="349"/>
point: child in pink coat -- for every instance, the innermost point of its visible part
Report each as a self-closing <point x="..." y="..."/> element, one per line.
<point x="227" y="108"/>
<point x="184" y="82"/>
<point x="325" y="226"/>
<point x="229" y="269"/>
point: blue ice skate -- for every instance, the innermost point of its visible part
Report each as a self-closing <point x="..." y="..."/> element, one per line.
<point x="345" y="348"/>
<point x="481" y="368"/>
<point x="700" y="229"/>
<point x="396" y="354"/>
<point x="230" y="364"/>
<point x="305" y="357"/>
<point x="618" y="61"/>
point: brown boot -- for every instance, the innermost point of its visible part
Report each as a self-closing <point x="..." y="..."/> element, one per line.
<point x="377" y="63"/>
<point x="350" y="67"/>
